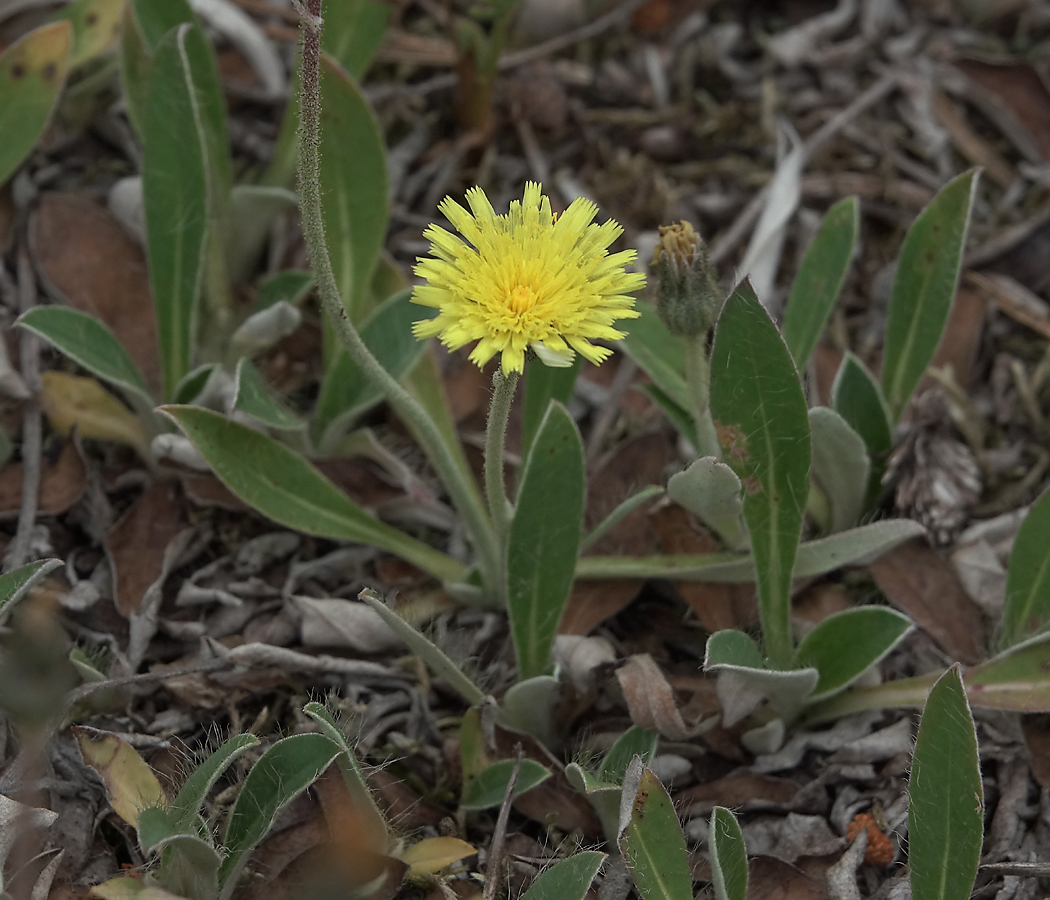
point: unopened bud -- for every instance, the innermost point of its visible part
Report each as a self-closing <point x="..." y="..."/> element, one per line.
<point x="688" y="294"/>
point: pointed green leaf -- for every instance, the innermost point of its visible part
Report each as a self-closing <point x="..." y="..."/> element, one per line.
<point x="286" y="488"/>
<point x="544" y="539"/>
<point x="195" y="788"/>
<point x="651" y="838"/>
<point x="728" y="856"/>
<point x="857" y="397"/>
<point x="194" y="382"/>
<point x="90" y="343"/>
<point x="145" y="24"/>
<point x="924" y="288"/>
<point x="354" y="185"/>
<point x="435" y="658"/>
<point x="856" y="546"/>
<point x="284" y="771"/>
<point x="488" y="787"/>
<point x="660" y="354"/>
<point x="346" y="393"/>
<point x="841" y="467"/>
<point x="568" y="879"/>
<point x="256" y="398"/>
<point x="32" y="73"/>
<point x="189" y="868"/>
<point x="1027" y="609"/>
<point x="175" y="196"/>
<point x="946" y="796"/>
<point x="14" y="585"/>
<point x="820" y="278"/>
<point x="845" y="644"/>
<point x="635" y="741"/>
<point x="760" y="413"/>
<point x="543" y="384"/>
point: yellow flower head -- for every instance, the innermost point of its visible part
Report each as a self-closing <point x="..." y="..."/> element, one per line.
<point x="526" y="279"/>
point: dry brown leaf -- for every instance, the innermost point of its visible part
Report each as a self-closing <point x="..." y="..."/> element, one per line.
<point x="969" y="143"/>
<point x="62" y="482"/>
<point x="748" y="790"/>
<point x="1019" y="88"/>
<point x="772" y="879"/>
<point x="136" y="544"/>
<point x="592" y="602"/>
<point x="919" y="582"/>
<point x="88" y="259"/>
<point x="962" y="336"/>
<point x="651" y="700"/>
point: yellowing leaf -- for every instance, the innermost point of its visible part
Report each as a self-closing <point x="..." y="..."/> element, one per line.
<point x="96" y="24"/>
<point x="117" y="889"/>
<point x="130" y="784"/>
<point x="69" y="400"/>
<point x="434" y="854"/>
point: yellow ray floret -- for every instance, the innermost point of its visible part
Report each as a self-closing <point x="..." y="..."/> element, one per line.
<point x="526" y="279"/>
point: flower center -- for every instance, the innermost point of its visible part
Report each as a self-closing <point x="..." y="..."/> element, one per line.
<point x="521" y="299"/>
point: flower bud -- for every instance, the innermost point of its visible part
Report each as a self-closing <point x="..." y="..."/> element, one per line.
<point x="688" y="294"/>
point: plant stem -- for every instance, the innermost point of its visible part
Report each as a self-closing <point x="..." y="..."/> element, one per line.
<point x="405" y="405"/>
<point x="698" y="382"/>
<point x="495" y="437"/>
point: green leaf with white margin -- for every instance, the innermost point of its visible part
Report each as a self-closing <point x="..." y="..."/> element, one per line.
<point x="194" y="791"/>
<point x="745" y="678"/>
<point x="761" y="416"/>
<point x="284" y="771"/>
<point x="284" y="487"/>
<point x="711" y="491"/>
<point x="530" y="705"/>
<point x="145" y="24"/>
<point x="32" y="73"/>
<point x="542" y="384"/>
<point x="194" y="382"/>
<point x="90" y="343"/>
<point x="14" y="585"/>
<point x="487" y="788"/>
<point x="354" y="183"/>
<point x="660" y="354"/>
<point x="1027" y="609"/>
<point x="635" y="741"/>
<point x="820" y="278"/>
<point x="924" y="288"/>
<point x="256" y="398"/>
<point x="346" y="393"/>
<point x="841" y="467"/>
<point x="175" y="197"/>
<point x="544" y="539"/>
<point x="353" y="775"/>
<point x="845" y="644"/>
<point x="728" y="856"/>
<point x="946" y="796"/>
<point x="568" y="879"/>
<point x="854" y="547"/>
<point x="189" y="868"/>
<point x="650" y="838"/>
<point x="857" y="397"/>
<point x="436" y="659"/>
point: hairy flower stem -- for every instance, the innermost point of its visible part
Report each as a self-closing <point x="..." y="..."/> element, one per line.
<point x="495" y="437"/>
<point x="698" y="383"/>
<point x="467" y="502"/>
